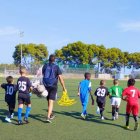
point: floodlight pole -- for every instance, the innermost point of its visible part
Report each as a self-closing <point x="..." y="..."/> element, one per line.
<point x="21" y="34"/>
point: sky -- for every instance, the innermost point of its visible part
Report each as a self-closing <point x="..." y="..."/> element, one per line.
<point x="55" y="23"/>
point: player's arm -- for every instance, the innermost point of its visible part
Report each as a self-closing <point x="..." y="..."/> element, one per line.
<point x="110" y="93"/>
<point x="124" y="95"/>
<point x="31" y="88"/>
<point x="3" y="85"/>
<point x="95" y="93"/>
<point x="62" y="82"/>
<point x="78" y="90"/>
<point x="90" y="91"/>
<point x="139" y="93"/>
<point x="59" y="73"/>
<point x="29" y="85"/>
<point x="107" y="92"/>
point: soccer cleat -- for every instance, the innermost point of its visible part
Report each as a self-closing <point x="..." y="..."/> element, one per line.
<point x="8" y="120"/>
<point x="102" y="118"/>
<point x="83" y="116"/>
<point x="136" y="126"/>
<point x="26" y="120"/>
<point x="20" y="122"/>
<point x="113" y="118"/>
<point x="52" y="116"/>
<point x="116" y="115"/>
<point x="49" y="120"/>
<point x="126" y="127"/>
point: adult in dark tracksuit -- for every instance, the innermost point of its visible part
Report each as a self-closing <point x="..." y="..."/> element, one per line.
<point x="51" y="74"/>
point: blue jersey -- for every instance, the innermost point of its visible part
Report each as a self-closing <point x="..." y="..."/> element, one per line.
<point x="24" y="85"/>
<point x="50" y="73"/>
<point x="85" y="87"/>
<point x="10" y="92"/>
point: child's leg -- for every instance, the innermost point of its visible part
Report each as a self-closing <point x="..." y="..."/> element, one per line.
<point x="101" y="107"/>
<point x="118" y="103"/>
<point x="11" y="111"/>
<point x="12" y="107"/>
<point x="135" y="112"/>
<point x="113" y="110"/>
<point x="84" y="101"/>
<point x="20" y="107"/>
<point x="101" y="112"/>
<point x="135" y="118"/>
<point x="117" y="109"/>
<point x="127" y="119"/>
<point x="113" y="103"/>
<point x="84" y="110"/>
<point x="28" y="109"/>
<point x="128" y="112"/>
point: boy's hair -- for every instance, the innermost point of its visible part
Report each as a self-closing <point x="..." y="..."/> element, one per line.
<point x="52" y="58"/>
<point x="9" y="79"/>
<point x="131" y="82"/>
<point x="115" y="81"/>
<point x="102" y="82"/>
<point x="87" y="74"/>
<point x="22" y="70"/>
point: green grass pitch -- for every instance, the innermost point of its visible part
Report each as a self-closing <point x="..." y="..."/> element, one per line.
<point x="68" y="125"/>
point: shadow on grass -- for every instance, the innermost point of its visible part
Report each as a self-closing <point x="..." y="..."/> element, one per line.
<point x="39" y="117"/>
<point x="3" y="113"/>
<point x="90" y="118"/>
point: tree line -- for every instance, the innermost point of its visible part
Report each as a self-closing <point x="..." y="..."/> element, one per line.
<point x="108" y="58"/>
<point x="78" y="53"/>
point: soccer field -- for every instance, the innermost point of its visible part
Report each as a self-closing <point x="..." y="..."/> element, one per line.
<point x="68" y="125"/>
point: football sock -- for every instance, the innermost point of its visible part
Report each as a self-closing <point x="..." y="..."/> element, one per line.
<point x="84" y="110"/>
<point x="117" y="110"/>
<point x="19" y="114"/>
<point x="135" y="118"/>
<point x="10" y="112"/>
<point x="127" y="119"/>
<point x="28" y="109"/>
<point x="101" y="111"/>
<point x="113" y="111"/>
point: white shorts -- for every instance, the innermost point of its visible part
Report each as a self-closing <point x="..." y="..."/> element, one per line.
<point x="116" y="101"/>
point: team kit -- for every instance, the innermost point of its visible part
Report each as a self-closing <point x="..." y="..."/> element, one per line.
<point x="51" y="75"/>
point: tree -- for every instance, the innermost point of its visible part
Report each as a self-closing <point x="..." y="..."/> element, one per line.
<point x="124" y="60"/>
<point x="32" y="54"/>
<point x="134" y="60"/>
<point x="74" y="53"/>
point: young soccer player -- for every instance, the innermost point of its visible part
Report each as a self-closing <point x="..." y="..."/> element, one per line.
<point x="101" y="93"/>
<point x="24" y="89"/>
<point x="10" y="96"/>
<point x="83" y="91"/>
<point x="131" y="94"/>
<point x="115" y="93"/>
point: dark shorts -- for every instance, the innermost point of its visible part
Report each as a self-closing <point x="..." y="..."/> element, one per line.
<point x="101" y="105"/>
<point x="11" y="104"/>
<point x="24" y="99"/>
<point x="52" y="91"/>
